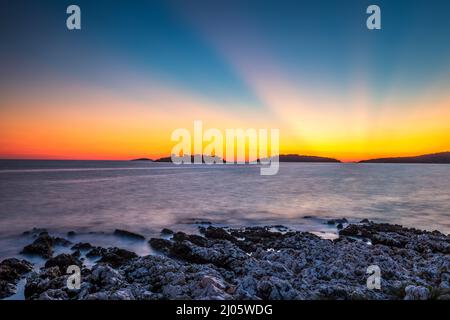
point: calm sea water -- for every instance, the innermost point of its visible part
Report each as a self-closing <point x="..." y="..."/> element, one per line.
<point x="95" y="197"/>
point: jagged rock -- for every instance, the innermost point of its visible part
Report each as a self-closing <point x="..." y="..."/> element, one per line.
<point x="96" y="252"/>
<point x="53" y="294"/>
<point x="260" y="263"/>
<point x="63" y="261"/>
<point x="11" y="270"/>
<point x="82" y="246"/>
<point x="416" y="293"/>
<point x="116" y="256"/>
<point x="38" y="283"/>
<point x="162" y="245"/>
<point x="43" y="245"/>
<point x="400" y="237"/>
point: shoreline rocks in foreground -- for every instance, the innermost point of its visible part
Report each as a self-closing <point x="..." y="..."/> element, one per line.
<point x="251" y="263"/>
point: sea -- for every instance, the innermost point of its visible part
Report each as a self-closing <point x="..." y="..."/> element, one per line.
<point x="93" y="198"/>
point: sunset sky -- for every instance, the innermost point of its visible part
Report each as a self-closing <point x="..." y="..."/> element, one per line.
<point x="140" y="69"/>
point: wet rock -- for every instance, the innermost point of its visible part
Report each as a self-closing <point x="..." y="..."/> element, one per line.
<point x="63" y="261"/>
<point x="96" y="252"/>
<point x="128" y="234"/>
<point x="162" y="245"/>
<point x="416" y="293"/>
<point x="48" y="279"/>
<point x="71" y="234"/>
<point x="400" y="237"/>
<point x="184" y="251"/>
<point x="53" y="294"/>
<point x="57" y="241"/>
<point x="82" y="246"/>
<point x="216" y="233"/>
<point x="11" y="270"/>
<point x="42" y="246"/>
<point x="6" y="289"/>
<point x="166" y="231"/>
<point x="193" y="238"/>
<point x="337" y="221"/>
<point x="116" y="256"/>
<point x="260" y="263"/>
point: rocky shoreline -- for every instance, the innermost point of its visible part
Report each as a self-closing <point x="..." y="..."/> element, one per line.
<point x="249" y="263"/>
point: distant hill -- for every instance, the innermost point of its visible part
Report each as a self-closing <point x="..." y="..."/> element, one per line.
<point x="142" y="159"/>
<point x="442" y="157"/>
<point x="282" y="158"/>
<point x="301" y="158"/>
<point x="164" y="159"/>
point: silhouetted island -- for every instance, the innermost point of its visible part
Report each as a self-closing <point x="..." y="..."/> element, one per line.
<point x="441" y="157"/>
<point x="142" y="159"/>
<point x="282" y="158"/>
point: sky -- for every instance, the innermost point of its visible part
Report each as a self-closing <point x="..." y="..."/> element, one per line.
<point x="138" y="70"/>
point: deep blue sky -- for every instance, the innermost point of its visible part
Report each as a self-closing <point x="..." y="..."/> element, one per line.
<point x="166" y="38"/>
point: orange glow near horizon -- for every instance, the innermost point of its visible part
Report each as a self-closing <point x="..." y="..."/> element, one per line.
<point x="104" y="125"/>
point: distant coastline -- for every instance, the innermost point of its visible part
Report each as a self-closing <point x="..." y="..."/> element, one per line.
<point x="282" y="158"/>
<point x="438" y="158"/>
<point x="433" y="158"/>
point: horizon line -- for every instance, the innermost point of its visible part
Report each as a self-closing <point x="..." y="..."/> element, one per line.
<point x="154" y="160"/>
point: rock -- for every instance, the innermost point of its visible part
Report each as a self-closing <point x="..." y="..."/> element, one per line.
<point x="259" y="263"/>
<point x="82" y="246"/>
<point x="166" y="231"/>
<point x="42" y="246"/>
<point x="162" y="245"/>
<point x="6" y="289"/>
<point x="184" y="251"/>
<point x="96" y="252"/>
<point x="63" y="261"/>
<point x="416" y="293"/>
<point x="399" y="237"/>
<point x="106" y="277"/>
<point x="337" y="221"/>
<point x="116" y="256"/>
<point x="128" y="234"/>
<point x="216" y="233"/>
<point x="339" y="226"/>
<point x="71" y="234"/>
<point x="193" y="238"/>
<point x="11" y="270"/>
<point x="53" y="294"/>
<point x="61" y="242"/>
<point x="47" y="279"/>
